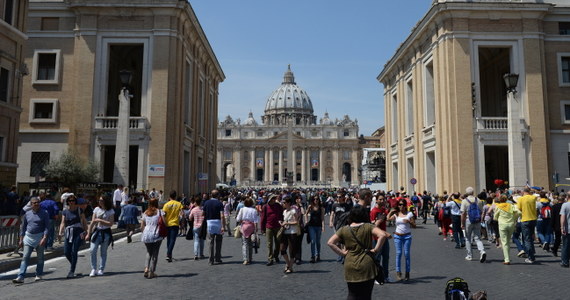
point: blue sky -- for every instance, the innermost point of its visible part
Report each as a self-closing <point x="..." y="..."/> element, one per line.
<point x="336" y="50"/>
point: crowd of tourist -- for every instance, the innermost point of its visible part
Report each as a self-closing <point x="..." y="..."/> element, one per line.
<point x="360" y="218"/>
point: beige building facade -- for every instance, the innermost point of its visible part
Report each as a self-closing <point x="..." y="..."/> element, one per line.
<point x="326" y="152"/>
<point x="12" y="71"/>
<point x="447" y="105"/>
<point x="75" y="52"/>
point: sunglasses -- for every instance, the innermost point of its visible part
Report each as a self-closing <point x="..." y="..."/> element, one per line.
<point x="34" y="203"/>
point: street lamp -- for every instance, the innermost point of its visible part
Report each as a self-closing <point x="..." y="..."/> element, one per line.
<point x="121" y="170"/>
<point x="516" y="151"/>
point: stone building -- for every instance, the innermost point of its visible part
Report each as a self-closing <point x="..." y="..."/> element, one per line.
<point x="449" y="111"/>
<point x="76" y="50"/>
<point x="12" y="71"/>
<point x="325" y="151"/>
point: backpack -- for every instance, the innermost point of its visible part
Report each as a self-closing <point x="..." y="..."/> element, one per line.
<point x="474" y="213"/>
<point x="456" y="289"/>
<point x="341" y="219"/>
<point x="545" y="211"/>
<point x="446" y="211"/>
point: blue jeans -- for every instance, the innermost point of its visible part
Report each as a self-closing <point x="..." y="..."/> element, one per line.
<point x="405" y="242"/>
<point x="40" y="266"/>
<point x="70" y="250"/>
<point x="544" y="230"/>
<point x="527" y="232"/>
<point x="315" y="236"/>
<point x="565" y="254"/>
<point x="198" y="242"/>
<point x="384" y="257"/>
<point x="51" y="233"/>
<point x="457" y="232"/>
<point x="171" y="239"/>
<point x="102" y="241"/>
<point x="517" y="237"/>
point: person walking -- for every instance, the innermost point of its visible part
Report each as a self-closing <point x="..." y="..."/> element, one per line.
<point x="544" y="221"/>
<point x="72" y="228"/>
<point x="290" y="231"/>
<point x="213" y="212"/>
<point x="359" y="266"/>
<point x="507" y="215"/>
<point x="556" y="223"/>
<point x="150" y="237"/>
<point x="197" y="217"/>
<point x="172" y="210"/>
<point x="271" y="215"/>
<point x="404" y="221"/>
<point x="527" y="206"/>
<point x="471" y="213"/>
<point x="564" y="230"/>
<point x="454" y="203"/>
<point x="33" y="235"/>
<point x="249" y="224"/>
<point x="378" y="216"/>
<point x="315" y="220"/>
<point x="129" y="215"/>
<point x="49" y="205"/>
<point x="99" y="233"/>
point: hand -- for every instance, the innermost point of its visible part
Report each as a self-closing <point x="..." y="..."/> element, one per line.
<point x="20" y="244"/>
<point x="87" y="237"/>
<point x="343" y="252"/>
<point x="463" y="226"/>
<point x="43" y="241"/>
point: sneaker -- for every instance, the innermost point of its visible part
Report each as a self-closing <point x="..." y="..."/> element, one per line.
<point x="70" y="275"/>
<point x="468" y="257"/>
<point x="196" y="258"/>
<point x="129" y="239"/>
<point x="18" y="280"/>
<point x="93" y="273"/>
<point x="483" y="257"/>
<point x="269" y="263"/>
<point x="521" y="253"/>
<point x="529" y="261"/>
<point x="390" y="280"/>
<point x="38" y="278"/>
<point x="100" y="273"/>
<point x="169" y="259"/>
<point x="562" y="265"/>
<point x="445" y="239"/>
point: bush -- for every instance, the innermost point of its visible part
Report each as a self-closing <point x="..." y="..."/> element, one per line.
<point x="69" y="169"/>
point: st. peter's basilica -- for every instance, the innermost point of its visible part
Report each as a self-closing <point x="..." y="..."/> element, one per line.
<point x="252" y="153"/>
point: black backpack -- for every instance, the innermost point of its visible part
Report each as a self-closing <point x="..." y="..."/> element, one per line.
<point x="456" y="289"/>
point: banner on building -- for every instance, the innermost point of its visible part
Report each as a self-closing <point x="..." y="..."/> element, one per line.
<point x="202" y="176"/>
<point x="156" y="170"/>
<point x="259" y="162"/>
<point x="314" y="163"/>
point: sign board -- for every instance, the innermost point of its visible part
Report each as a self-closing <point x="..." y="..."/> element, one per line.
<point x="202" y="176"/>
<point x="413" y="181"/>
<point x="156" y="170"/>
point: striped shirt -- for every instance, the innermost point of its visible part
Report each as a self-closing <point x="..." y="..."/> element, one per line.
<point x="196" y="215"/>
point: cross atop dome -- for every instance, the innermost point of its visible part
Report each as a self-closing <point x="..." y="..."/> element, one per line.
<point x="288" y="78"/>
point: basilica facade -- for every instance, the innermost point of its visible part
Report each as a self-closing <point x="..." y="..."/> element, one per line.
<point x="288" y="144"/>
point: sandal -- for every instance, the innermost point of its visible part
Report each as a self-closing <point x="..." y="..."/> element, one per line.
<point x="145" y="274"/>
<point x="288" y="271"/>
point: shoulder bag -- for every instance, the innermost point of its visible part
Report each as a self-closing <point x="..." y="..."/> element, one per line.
<point x="379" y="270"/>
<point x="161" y="226"/>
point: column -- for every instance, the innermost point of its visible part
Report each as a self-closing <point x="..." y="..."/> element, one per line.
<point x="355" y="165"/>
<point x="266" y="166"/>
<point x="238" y="165"/>
<point x="252" y="164"/>
<point x="321" y="166"/>
<point x="219" y="168"/>
<point x="516" y="152"/>
<point x="280" y="165"/>
<point x="337" y="175"/>
<point x="304" y="165"/>
<point x="271" y="163"/>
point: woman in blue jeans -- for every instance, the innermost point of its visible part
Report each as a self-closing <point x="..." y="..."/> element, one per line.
<point x="72" y="228"/>
<point x="404" y="221"/>
<point x="99" y="234"/>
<point x="197" y="218"/>
<point x="315" y="220"/>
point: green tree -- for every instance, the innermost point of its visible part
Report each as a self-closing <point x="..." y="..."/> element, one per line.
<point x="69" y="169"/>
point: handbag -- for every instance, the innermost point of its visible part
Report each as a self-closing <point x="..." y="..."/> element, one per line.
<point x="203" y="230"/>
<point x="161" y="226"/>
<point x="279" y="234"/>
<point x="190" y="231"/>
<point x="237" y="232"/>
<point x="379" y="270"/>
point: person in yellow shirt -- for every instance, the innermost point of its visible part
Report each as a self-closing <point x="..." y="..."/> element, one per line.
<point x="172" y="210"/>
<point x="527" y="206"/>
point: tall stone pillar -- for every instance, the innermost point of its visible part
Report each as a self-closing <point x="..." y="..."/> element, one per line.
<point x="336" y="175"/>
<point x="280" y="165"/>
<point x="266" y="166"/>
<point x="271" y="164"/>
<point x="321" y="166"/>
<point x="253" y="170"/>
<point x="355" y="165"/>
<point x="237" y="165"/>
<point x="304" y="165"/>
<point x="518" y="175"/>
<point x="121" y="171"/>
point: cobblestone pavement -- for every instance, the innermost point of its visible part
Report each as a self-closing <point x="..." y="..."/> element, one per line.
<point x="434" y="261"/>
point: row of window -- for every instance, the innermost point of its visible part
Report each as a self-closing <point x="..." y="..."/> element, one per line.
<point x="228" y="154"/>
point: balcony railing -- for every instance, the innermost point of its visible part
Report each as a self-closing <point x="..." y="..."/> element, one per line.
<point x="429" y="131"/>
<point x="492" y="123"/>
<point x="110" y="123"/>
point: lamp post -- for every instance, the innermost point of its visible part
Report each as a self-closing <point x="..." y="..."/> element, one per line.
<point x="121" y="171"/>
<point x="517" y="154"/>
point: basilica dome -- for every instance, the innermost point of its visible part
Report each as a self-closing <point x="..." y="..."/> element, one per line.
<point x="289" y="100"/>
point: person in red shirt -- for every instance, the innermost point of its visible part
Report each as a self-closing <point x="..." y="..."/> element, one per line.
<point x="378" y="216"/>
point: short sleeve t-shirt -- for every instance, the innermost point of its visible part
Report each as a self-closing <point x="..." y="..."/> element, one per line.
<point x="565" y="210"/>
<point x="172" y="210"/>
<point x="100" y="213"/>
<point x="212" y="209"/>
<point x="72" y="217"/>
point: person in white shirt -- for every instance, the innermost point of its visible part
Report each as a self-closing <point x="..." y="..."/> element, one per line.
<point x="125" y="196"/>
<point x="117" y="198"/>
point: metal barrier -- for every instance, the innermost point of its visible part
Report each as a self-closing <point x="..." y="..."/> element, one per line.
<point x="9" y="231"/>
